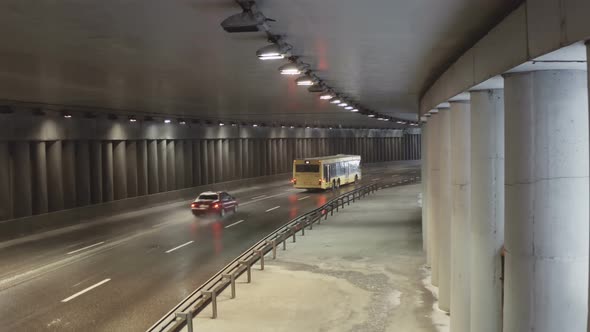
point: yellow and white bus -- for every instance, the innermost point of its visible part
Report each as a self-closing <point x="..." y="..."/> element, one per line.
<point x="326" y="172"/>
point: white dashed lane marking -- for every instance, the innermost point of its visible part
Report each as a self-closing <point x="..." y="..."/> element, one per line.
<point x="87" y="247"/>
<point x="237" y="222"/>
<point x="180" y="246"/>
<point x="86" y="290"/>
<point x="274" y="208"/>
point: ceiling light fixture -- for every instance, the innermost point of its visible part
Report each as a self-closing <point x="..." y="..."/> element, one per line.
<point x="273" y="52"/>
<point x="348" y="108"/>
<point x="132" y="118"/>
<point x="336" y="101"/>
<point x="254" y="125"/>
<point x="371" y="115"/>
<point x="167" y="121"/>
<point x="221" y="124"/>
<point x="354" y="110"/>
<point x="326" y="96"/>
<point x="67" y="115"/>
<point x="293" y="68"/>
<point x="305" y="80"/>
<point x="343" y="104"/>
<point x="181" y="121"/>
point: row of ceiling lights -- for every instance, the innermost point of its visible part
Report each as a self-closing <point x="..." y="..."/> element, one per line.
<point x="181" y="121"/>
<point x="252" y="20"/>
<point x="281" y="50"/>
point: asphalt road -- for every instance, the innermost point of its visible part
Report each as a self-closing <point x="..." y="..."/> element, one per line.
<point x="126" y="271"/>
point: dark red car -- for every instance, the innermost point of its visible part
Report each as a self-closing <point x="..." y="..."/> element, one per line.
<point x="214" y="203"/>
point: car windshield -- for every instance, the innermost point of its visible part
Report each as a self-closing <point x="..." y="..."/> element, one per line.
<point x="210" y="197"/>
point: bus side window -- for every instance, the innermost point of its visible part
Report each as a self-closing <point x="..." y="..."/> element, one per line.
<point x="327" y="173"/>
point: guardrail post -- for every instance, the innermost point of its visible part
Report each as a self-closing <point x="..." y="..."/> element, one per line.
<point x="337" y="204"/>
<point x="302" y="229"/>
<point x="213" y="296"/>
<point x="188" y="317"/>
<point x="232" y="280"/>
<point x="331" y="209"/>
<point x="294" y="234"/>
<point x="285" y="244"/>
<point x="248" y="269"/>
<point x="348" y="199"/>
<point x="261" y="254"/>
<point x="274" y="249"/>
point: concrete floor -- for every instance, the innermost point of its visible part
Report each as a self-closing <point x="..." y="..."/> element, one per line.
<point x="360" y="271"/>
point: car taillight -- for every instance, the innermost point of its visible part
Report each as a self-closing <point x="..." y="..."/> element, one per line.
<point x="294" y="181"/>
<point x="320" y="181"/>
<point x="193" y="205"/>
<point x="216" y="206"/>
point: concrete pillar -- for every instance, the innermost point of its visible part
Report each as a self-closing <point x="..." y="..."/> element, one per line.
<point x="224" y="159"/>
<point x="179" y="163"/>
<point x="107" y="172"/>
<point x="245" y="152"/>
<point x="119" y="170"/>
<point x="132" y="168"/>
<point x="443" y="221"/>
<point x="547" y="193"/>
<point x="197" y="163"/>
<point x="39" y="163"/>
<point x="233" y="161"/>
<point x="96" y="172"/>
<point x="460" y="214"/>
<point x="69" y="173"/>
<point x="153" y="163"/>
<point x="219" y="161"/>
<point x="83" y="188"/>
<point x="204" y="162"/>
<point x="162" y="166"/>
<point x="424" y="180"/>
<point x="433" y="199"/>
<point x="55" y="189"/>
<point x="487" y="209"/>
<point x="5" y="182"/>
<point x="22" y="188"/>
<point x="240" y="158"/>
<point x="171" y="165"/>
<point x="212" y="171"/>
<point x="188" y="164"/>
<point x="142" y="168"/>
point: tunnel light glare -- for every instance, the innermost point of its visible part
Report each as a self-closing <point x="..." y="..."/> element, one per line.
<point x="371" y="115"/>
<point x="182" y="122"/>
<point x="132" y="119"/>
<point x="167" y="121"/>
<point x="399" y="122"/>
<point x="348" y="108"/>
<point x="67" y="116"/>
<point x="291" y="127"/>
<point x="290" y="72"/>
<point x="336" y="101"/>
<point x="255" y="125"/>
<point x="304" y="80"/>
<point x="221" y="124"/>
<point x="326" y="96"/>
<point x="271" y="57"/>
<point x="354" y="110"/>
<point x="343" y="104"/>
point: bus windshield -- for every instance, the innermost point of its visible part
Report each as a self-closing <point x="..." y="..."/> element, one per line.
<point x="307" y="168"/>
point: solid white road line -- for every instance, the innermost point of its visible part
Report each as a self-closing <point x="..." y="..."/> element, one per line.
<point x="180" y="246"/>
<point x="274" y="208"/>
<point x="86" y="290"/>
<point x="302" y="198"/>
<point x="237" y="222"/>
<point x="258" y="197"/>
<point x="88" y="247"/>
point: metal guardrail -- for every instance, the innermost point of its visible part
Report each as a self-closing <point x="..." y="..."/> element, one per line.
<point x="181" y="315"/>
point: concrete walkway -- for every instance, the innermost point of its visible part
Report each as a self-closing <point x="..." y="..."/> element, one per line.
<point x="360" y="271"/>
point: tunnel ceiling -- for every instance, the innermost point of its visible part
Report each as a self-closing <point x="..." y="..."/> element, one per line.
<point x="173" y="57"/>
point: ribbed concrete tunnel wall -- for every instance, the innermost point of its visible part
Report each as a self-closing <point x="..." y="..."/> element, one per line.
<point x="61" y="164"/>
